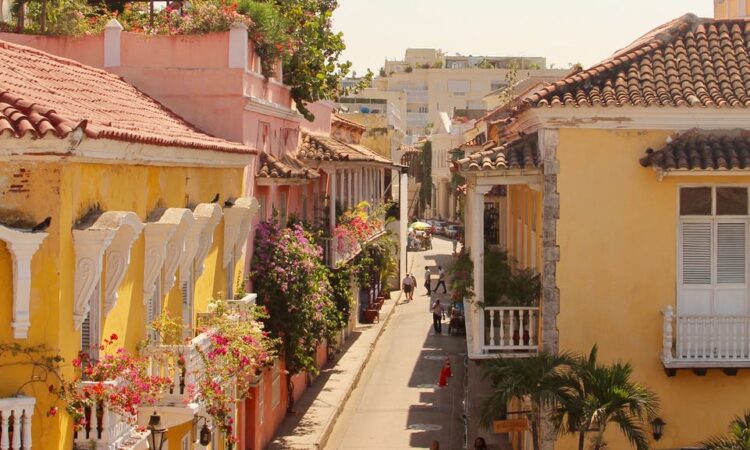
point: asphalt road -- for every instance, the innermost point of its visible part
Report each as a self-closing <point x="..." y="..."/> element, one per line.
<point x="397" y="404"/>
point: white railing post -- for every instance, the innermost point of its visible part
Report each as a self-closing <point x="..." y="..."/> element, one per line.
<point x="15" y="414"/>
<point x="667" y="336"/>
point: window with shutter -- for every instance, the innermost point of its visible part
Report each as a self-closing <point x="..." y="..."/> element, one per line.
<point x="713" y="251"/>
<point x="187" y="304"/>
<point x="91" y="328"/>
<point x="230" y="278"/>
<point x="730" y="256"/>
<point x="153" y="310"/>
<point x="696" y="253"/>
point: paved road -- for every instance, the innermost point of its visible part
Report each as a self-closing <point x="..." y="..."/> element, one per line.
<point x="396" y="405"/>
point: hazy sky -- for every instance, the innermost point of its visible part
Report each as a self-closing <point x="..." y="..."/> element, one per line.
<point x="564" y="31"/>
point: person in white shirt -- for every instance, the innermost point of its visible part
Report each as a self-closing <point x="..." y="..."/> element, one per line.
<point x="441" y="280"/>
<point x="437" y="317"/>
<point x="408" y="286"/>
<point x="427" y="280"/>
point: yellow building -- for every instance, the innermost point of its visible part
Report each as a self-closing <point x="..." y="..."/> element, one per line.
<point x="626" y="187"/>
<point x="138" y="213"/>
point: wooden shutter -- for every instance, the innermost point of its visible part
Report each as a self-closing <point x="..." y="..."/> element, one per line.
<point x="730" y="253"/>
<point x="696" y="253"/>
<point x="86" y="333"/>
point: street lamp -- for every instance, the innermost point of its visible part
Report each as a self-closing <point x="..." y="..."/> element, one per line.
<point x="657" y="428"/>
<point x="158" y="432"/>
<point x="204" y="437"/>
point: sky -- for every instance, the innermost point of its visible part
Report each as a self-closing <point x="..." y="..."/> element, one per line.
<point x="563" y="31"/>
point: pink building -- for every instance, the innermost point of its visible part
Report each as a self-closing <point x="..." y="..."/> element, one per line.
<point x="304" y="169"/>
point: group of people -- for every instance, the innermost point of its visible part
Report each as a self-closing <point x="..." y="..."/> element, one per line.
<point x="409" y="283"/>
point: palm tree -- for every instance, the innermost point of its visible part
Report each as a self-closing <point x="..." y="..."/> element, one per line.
<point x="598" y="395"/>
<point x="738" y="438"/>
<point x="540" y="379"/>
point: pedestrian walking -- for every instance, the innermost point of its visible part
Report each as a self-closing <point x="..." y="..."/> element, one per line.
<point x="428" y="280"/>
<point x="455" y="245"/>
<point x="408" y="286"/>
<point x="441" y="280"/>
<point x="437" y="317"/>
<point x="414" y="285"/>
<point x="435" y="445"/>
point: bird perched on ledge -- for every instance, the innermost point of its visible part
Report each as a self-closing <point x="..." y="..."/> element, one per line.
<point x="216" y="198"/>
<point x="41" y="226"/>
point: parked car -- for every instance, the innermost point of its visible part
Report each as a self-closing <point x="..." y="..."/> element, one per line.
<point x="453" y="230"/>
<point x="439" y="227"/>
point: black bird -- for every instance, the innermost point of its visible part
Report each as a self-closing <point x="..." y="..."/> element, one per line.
<point x="216" y="198"/>
<point x="229" y="203"/>
<point x="41" y="226"/>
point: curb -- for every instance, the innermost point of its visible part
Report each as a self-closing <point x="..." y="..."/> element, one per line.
<point x="328" y="427"/>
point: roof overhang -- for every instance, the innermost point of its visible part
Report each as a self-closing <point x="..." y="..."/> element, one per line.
<point x="77" y="148"/>
<point x="263" y="181"/>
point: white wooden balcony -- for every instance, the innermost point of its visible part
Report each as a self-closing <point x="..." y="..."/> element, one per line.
<point x="105" y="429"/>
<point x="705" y="341"/>
<point x="510" y="332"/>
<point x="181" y="363"/>
<point x="15" y="422"/>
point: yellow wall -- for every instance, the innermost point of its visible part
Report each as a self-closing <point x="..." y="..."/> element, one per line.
<point x="65" y="192"/>
<point x="520" y="200"/>
<point x="617" y="237"/>
<point x="730" y="9"/>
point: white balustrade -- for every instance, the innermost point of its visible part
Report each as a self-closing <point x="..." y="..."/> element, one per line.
<point x="106" y="429"/>
<point x="510" y="329"/>
<point x="708" y="340"/>
<point x="180" y="363"/>
<point x="15" y="422"/>
<point x="336" y="253"/>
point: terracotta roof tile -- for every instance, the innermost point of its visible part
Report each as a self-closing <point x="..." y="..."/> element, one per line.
<point x="343" y="121"/>
<point x="702" y="150"/>
<point x="286" y="167"/>
<point x="519" y="154"/>
<point x="42" y="94"/>
<point x="689" y="61"/>
<point x="319" y="147"/>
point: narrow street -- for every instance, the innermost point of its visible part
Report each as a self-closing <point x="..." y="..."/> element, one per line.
<point x="397" y="404"/>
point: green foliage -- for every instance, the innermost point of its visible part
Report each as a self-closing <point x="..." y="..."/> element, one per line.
<point x="409" y="69"/>
<point x="312" y="68"/>
<point x="540" y="378"/>
<point x="376" y="262"/>
<point x="269" y="30"/>
<point x="437" y="65"/>
<point x="341" y="292"/>
<point x="582" y="395"/>
<point x="511" y="80"/>
<point x="292" y="283"/>
<point x="461" y="274"/>
<point x="737" y="439"/>
<point x="425" y="192"/>
<point x="598" y="395"/>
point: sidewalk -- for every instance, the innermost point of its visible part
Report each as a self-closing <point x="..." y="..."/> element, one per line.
<point x="321" y="404"/>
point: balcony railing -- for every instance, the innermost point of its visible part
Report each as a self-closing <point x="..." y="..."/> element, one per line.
<point x="105" y="429"/>
<point x="15" y="422"/>
<point x="705" y="341"/>
<point x="511" y="331"/>
<point x="335" y="255"/>
<point x="180" y="363"/>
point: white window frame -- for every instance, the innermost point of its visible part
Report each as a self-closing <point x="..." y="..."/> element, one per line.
<point x="714" y="220"/>
<point x="153" y="309"/>
<point x="230" y="277"/>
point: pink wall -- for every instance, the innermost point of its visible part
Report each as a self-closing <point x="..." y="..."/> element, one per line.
<point x="88" y="50"/>
<point x="322" y="122"/>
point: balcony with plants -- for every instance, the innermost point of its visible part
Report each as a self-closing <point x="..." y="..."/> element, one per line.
<point x="211" y="372"/>
<point x="509" y="316"/>
<point x="355" y="228"/>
